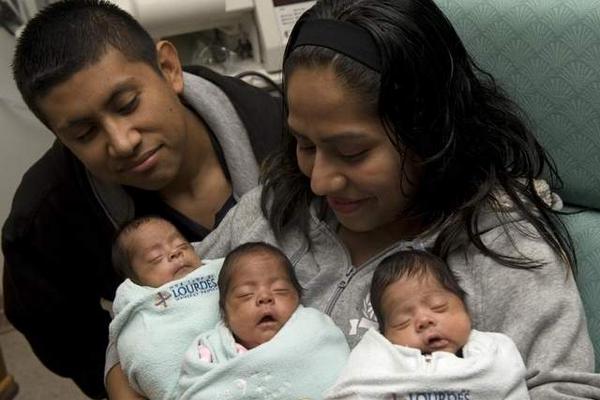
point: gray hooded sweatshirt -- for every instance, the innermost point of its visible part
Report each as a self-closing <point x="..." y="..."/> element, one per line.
<point x="540" y="309"/>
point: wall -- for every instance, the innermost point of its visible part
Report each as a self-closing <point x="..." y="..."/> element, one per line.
<point x="22" y="138"/>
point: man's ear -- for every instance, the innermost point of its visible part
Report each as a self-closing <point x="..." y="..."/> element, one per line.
<point x="169" y="64"/>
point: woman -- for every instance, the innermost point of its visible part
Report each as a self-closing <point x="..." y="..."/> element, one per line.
<point x="396" y="139"/>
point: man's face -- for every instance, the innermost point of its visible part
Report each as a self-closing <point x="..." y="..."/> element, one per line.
<point x="123" y="120"/>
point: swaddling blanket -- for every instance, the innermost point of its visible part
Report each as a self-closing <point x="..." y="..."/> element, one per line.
<point x="153" y="327"/>
<point x="491" y="369"/>
<point x="302" y="360"/>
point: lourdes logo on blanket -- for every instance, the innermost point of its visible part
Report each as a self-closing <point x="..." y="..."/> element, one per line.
<point x="197" y="286"/>
<point x="161" y="299"/>
<point x="437" y="395"/>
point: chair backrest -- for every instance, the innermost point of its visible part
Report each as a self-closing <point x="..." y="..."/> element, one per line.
<point x="546" y="55"/>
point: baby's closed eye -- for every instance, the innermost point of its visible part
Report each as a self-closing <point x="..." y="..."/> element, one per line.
<point x="400" y="323"/>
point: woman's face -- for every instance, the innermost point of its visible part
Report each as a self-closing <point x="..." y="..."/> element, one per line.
<point x="344" y="150"/>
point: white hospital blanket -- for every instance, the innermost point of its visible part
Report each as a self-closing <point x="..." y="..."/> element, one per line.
<point x="491" y="369"/>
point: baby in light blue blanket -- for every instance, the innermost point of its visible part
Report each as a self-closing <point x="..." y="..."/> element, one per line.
<point x="169" y="297"/>
<point x="259" y="293"/>
<point x="266" y="345"/>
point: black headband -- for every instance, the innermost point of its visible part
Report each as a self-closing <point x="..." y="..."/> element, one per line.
<point x="339" y="36"/>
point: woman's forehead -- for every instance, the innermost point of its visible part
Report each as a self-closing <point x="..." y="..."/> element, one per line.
<point x="318" y="103"/>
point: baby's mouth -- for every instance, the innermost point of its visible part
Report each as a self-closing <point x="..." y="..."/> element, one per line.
<point x="183" y="269"/>
<point x="267" y="319"/>
<point x="436" y="342"/>
<point x="180" y="270"/>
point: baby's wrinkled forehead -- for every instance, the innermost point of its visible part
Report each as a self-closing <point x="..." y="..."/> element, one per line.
<point x="241" y="261"/>
<point x="405" y="288"/>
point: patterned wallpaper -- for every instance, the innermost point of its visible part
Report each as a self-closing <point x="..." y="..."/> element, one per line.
<point x="546" y="55"/>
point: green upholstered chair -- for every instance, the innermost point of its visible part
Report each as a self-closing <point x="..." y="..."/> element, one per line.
<point x="546" y="55"/>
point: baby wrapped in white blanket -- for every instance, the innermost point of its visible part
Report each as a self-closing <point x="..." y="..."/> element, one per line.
<point x="428" y="349"/>
<point x="490" y="369"/>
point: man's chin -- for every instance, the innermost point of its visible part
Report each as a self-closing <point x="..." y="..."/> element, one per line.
<point x="151" y="184"/>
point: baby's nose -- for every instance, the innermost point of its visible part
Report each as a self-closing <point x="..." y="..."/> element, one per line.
<point x="424" y="322"/>
<point x="265" y="297"/>
<point x="175" y="255"/>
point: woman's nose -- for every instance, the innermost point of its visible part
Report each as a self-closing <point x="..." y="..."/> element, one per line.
<point x="326" y="177"/>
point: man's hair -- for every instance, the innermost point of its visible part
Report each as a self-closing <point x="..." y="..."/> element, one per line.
<point x="121" y="254"/>
<point x="410" y="264"/>
<point x="243" y="250"/>
<point x="67" y="36"/>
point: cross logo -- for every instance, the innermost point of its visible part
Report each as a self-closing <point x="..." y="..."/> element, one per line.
<point x="162" y="298"/>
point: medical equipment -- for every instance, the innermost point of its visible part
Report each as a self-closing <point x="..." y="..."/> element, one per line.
<point x="231" y="36"/>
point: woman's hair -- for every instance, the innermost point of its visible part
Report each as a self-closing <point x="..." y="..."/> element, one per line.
<point x="437" y="104"/>
<point x="410" y="264"/>
<point x="231" y="262"/>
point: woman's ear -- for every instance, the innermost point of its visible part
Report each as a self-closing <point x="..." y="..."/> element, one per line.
<point x="170" y="65"/>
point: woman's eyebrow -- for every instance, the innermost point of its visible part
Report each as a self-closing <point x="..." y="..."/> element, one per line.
<point x="344" y="137"/>
<point x="335" y="137"/>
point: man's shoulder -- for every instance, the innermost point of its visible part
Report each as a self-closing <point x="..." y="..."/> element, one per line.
<point x="51" y="164"/>
<point x="50" y="183"/>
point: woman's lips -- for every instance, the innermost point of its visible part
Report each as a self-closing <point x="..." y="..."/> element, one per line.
<point x="344" y="206"/>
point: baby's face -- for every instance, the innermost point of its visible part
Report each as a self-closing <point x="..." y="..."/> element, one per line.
<point x="159" y="254"/>
<point x="420" y="313"/>
<point x="260" y="300"/>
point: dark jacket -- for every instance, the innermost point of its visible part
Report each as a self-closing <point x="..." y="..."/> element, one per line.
<point x="56" y="244"/>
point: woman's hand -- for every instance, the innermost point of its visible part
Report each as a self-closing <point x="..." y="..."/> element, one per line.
<point x="117" y="385"/>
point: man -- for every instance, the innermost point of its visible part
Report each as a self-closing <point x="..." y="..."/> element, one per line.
<point x="135" y="136"/>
